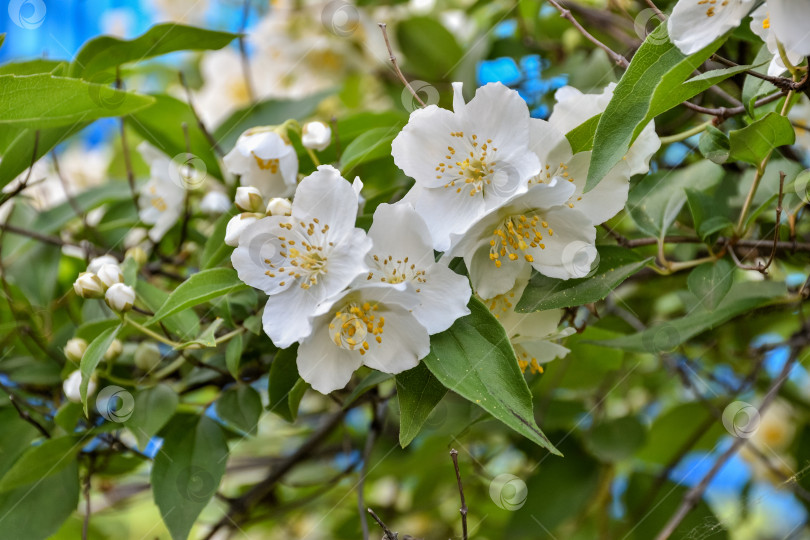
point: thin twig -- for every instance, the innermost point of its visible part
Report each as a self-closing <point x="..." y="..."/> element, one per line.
<point x="566" y="14"/>
<point x="776" y="226"/>
<point x="24" y="184"/>
<point x="27" y="417"/>
<point x="387" y="532"/>
<point x="393" y="60"/>
<point x="186" y="190"/>
<point x="463" y="509"/>
<point x="200" y="124"/>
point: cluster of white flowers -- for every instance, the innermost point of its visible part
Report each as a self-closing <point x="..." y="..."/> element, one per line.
<point x="492" y="185"/>
<point x="104" y="279"/>
<point x="74" y="351"/>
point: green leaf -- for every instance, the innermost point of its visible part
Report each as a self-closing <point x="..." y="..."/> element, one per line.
<point x="185" y="324"/>
<point x="91" y="358"/>
<point x="616" y="440"/>
<point x="68" y="416"/>
<point x="742" y="298"/>
<point x="153" y="408"/>
<point x="240" y="407"/>
<point x="754" y="87"/>
<point x="430" y="49"/>
<point x="655" y="82"/>
<point x="284" y="387"/>
<point x="581" y="137"/>
<point x="418" y="393"/>
<point x="41" y="461"/>
<point x="233" y="355"/>
<point x="367" y="383"/>
<point x="200" y="287"/>
<point x="674" y="428"/>
<point x="616" y="264"/>
<point x="371" y="145"/>
<point x="708" y="212"/>
<point x="474" y="359"/>
<point x="216" y="250"/>
<point x="714" y="145"/>
<point x="105" y="52"/>
<point x="45" y="101"/>
<point x="711" y="281"/>
<point x="752" y="143"/>
<point x="187" y="471"/>
<point x="162" y="126"/>
<point x="207" y="337"/>
<point x="32" y="67"/>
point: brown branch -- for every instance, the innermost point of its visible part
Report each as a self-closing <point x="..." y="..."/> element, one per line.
<point x="200" y="124"/>
<point x="26" y="416"/>
<point x="754" y="244"/>
<point x="388" y="535"/>
<point x="566" y="14"/>
<point x="463" y="509"/>
<point x="393" y="60"/>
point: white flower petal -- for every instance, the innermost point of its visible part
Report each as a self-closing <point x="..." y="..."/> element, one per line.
<point x="789" y="23"/>
<point x="608" y="197"/>
<point x="328" y="197"/>
<point x="404" y="343"/>
<point x="569" y="252"/>
<point x="288" y="315"/>
<point x="693" y="24"/>
<point x="323" y="365"/>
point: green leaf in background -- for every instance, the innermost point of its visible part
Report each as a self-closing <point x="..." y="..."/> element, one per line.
<point x="714" y="145"/>
<point x="754" y="87"/>
<point x="667" y="433"/>
<point x="187" y="471"/>
<point x="207" y="337"/>
<point x="474" y="359"/>
<point x="618" y="439"/>
<point x="655" y="82"/>
<point x="91" y="358"/>
<point x="184" y="323"/>
<point x="368" y="382"/>
<point x="45" y="101"/>
<point x="742" y="298"/>
<point x="418" y="393"/>
<point x="752" y="143"/>
<point x="153" y="408"/>
<point x="241" y="407"/>
<point x="284" y="387"/>
<point x="233" y="355"/>
<point x="200" y="287"/>
<point x="216" y="250"/>
<point x="615" y="265"/>
<point x="711" y="281"/>
<point x="371" y="145"/>
<point x="32" y="67"/>
<point x="105" y="52"/>
<point x="430" y="49"/>
<point x="162" y="126"/>
<point x="709" y="213"/>
<point x="41" y="461"/>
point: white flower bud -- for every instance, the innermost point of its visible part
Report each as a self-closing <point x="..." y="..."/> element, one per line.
<point x="279" y="206"/>
<point x="147" y="356"/>
<point x="249" y="199"/>
<point x="72" y="385"/>
<point x="120" y="297"/>
<point x="74" y="349"/>
<point x="316" y="135"/>
<point x="110" y="274"/>
<point x="88" y="285"/>
<point x="215" y="202"/>
<point x="114" y="350"/>
<point x="135" y="237"/>
<point x="138" y="254"/>
<point x="96" y="264"/>
<point x="236" y="225"/>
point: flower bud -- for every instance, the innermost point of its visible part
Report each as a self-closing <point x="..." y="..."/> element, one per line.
<point x="236" y="225"/>
<point x="138" y="254"/>
<point x="147" y="356"/>
<point x="316" y="135"/>
<point x="74" y="349"/>
<point x="120" y="297"/>
<point x="72" y="385"/>
<point x="279" y="206"/>
<point x="110" y="274"/>
<point x="88" y="285"/>
<point x="96" y="264"/>
<point x="215" y="202"/>
<point x="114" y="350"/>
<point x="249" y="199"/>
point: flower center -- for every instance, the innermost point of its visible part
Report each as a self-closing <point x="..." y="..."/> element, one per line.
<point x="515" y="234"/>
<point x="266" y="164"/>
<point x="548" y="174"/>
<point x="474" y="169"/>
<point x="303" y="260"/>
<point x="354" y="324"/>
<point x="396" y="271"/>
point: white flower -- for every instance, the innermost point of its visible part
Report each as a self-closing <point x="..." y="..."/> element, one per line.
<point x="316" y="135"/>
<point x="114" y="350"/>
<point x="466" y="162"/>
<point x="532" y="334"/>
<point x="303" y="259"/>
<point x="371" y="325"/>
<point x="236" y="227"/>
<point x="162" y="198"/>
<point x="120" y="297"/>
<point x="402" y="252"/>
<point x="762" y="27"/>
<point x="265" y="160"/>
<point x="224" y="90"/>
<point x="249" y="199"/>
<point x="147" y="356"/>
<point x="215" y="202"/>
<point x="694" y="24"/>
<point x="74" y="349"/>
<point x="72" y="384"/>
<point x="789" y="23"/>
<point x="110" y="274"/>
<point x="95" y="264"/>
<point x="279" y="206"/>
<point x="536" y="229"/>
<point x="88" y="285"/>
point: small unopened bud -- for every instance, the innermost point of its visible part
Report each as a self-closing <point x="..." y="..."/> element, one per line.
<point x="96" y="264"/>
<point x="88" y="285"/>
<point x="316" y="135"/>
<point x="110" y="274"/>
<point x="147" y="356"/>
<point x="114" y="350"/>
<point x="72" y="385"/>
<point x="120" y="297"/>
<point x="74" y="349"/>
<point x="137" y="254"/>
<point x="236" y="226"/>
<point x="215" y="202"/>
<point x="249" y="199"/>
<point x="279" y="206"/>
